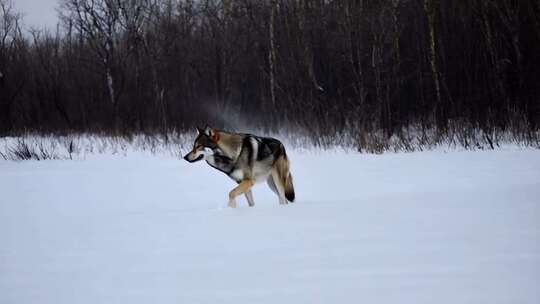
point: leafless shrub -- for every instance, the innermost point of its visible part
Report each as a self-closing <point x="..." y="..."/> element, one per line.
<point x="30" y="150"/>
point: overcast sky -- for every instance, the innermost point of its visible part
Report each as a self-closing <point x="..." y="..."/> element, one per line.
<point x="38" y="13"/>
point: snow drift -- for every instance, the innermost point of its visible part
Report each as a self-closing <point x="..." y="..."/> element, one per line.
<point x="456" y="227"/>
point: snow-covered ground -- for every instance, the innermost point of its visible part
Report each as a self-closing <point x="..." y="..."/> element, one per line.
<point x="430" y="227"/>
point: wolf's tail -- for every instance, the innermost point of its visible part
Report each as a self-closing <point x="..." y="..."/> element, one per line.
<point x="289" y="188"/>
<point x="286" y="179"/>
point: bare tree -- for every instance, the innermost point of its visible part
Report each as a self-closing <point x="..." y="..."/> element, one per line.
<point x="272" y="51"/>
<point x="10" y="41"/>
<point x="98" y="21"/>
<point x="430" y="7"/>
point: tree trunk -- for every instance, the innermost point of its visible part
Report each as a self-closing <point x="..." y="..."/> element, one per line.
<point x="272" y="53"/>
<point x="429" y="7"/>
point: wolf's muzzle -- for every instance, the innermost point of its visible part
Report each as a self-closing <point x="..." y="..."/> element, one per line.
<point x="193" y="160"/>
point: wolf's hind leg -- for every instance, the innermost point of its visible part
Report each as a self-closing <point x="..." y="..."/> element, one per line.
<point x="244" y="186"/>
<point x="271" y="184"/>
<point x="249" y="198"/>
<point x="279" y="187"/>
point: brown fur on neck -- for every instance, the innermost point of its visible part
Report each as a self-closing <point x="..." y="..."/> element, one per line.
<point x="229" y="143"/>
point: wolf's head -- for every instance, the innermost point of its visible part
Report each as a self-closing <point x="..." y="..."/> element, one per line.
<point x="205" y="144"/>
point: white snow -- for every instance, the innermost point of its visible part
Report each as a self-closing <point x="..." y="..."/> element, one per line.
<point x="430" y="227"/>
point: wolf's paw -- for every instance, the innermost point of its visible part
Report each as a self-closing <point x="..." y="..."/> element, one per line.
<point x="232" y="203"/>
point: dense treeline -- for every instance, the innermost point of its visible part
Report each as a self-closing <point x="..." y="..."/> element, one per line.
<point x="325" y="67"/>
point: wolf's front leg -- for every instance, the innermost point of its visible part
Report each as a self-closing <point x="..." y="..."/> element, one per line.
<point x="244" y="186"/>
<point x="249" y="198"/>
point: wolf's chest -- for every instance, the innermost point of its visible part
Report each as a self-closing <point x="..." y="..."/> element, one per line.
<point x="237" y="175"/>
<point x="222" y="163"/>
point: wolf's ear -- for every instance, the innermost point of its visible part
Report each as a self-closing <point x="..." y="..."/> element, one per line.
<point x="200" y="130"/>
<point x="214" y="135"/>
<point x="207" y="130"/>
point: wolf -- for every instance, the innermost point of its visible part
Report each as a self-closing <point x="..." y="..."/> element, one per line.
<point x="247" y="159"/>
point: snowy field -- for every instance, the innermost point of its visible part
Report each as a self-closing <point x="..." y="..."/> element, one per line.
<point x="427" y="227"/>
